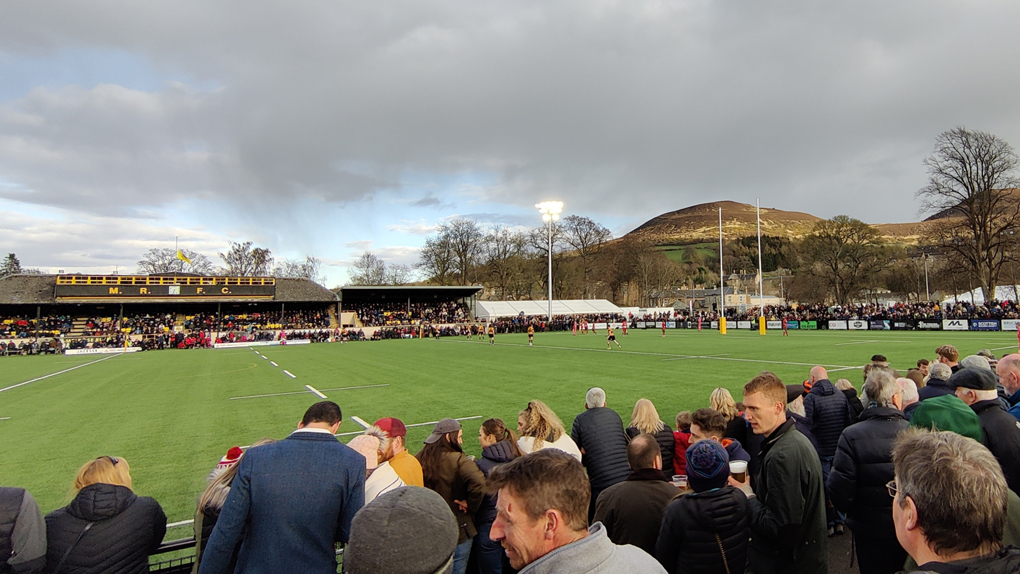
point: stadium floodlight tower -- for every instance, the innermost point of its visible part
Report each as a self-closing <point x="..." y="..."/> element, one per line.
<point x="550" y="211"/>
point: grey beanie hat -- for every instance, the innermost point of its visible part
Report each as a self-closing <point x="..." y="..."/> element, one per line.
<point x="410" y="530"/>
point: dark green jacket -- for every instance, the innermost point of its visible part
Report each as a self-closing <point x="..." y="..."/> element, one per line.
<point x="788" y="528"/>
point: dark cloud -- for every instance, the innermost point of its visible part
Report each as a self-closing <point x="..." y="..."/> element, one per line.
<point x="614" y="107"/>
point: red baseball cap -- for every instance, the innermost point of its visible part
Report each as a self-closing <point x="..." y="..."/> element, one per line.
<point x="392" y="427"/>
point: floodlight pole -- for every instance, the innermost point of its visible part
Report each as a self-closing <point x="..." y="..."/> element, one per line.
<point x="549" y="228"/>
<point x="927" y="293"/>
<point x="550" y="211"/>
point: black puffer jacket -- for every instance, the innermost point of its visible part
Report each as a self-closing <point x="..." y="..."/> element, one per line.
<point x="1002" y="436"/>
<point x="127" y="529"/>
<point x="855" y="405"/>
<point x="861" y="469"/>
<point x="667" y="443"/>
<point x="826" y="409"/>
<point x="492" y="455"/>
<point x="599" y="433"/>
<point x="687" y="540"/>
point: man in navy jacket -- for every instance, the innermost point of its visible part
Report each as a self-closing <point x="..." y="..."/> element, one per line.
<point x="291" y="502"/>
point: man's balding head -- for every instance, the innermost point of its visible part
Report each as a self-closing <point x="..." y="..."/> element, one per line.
<point x="818" y="373"/>
<point x="1008" y="369"/>
<point x="644" y="452"/>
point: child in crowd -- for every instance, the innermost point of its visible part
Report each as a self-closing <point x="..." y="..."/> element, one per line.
<point x="681" y="440"/>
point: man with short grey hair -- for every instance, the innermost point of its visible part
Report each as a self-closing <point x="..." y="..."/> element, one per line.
<point x="941" y="529"/>
<point x="1008" y="369"/>
<point x="937" y="385"/>
<point x="976" y="388"/>
<point x="862" y="466"/>
<point x="909" y="396"/>
<point x="598" y="433"/>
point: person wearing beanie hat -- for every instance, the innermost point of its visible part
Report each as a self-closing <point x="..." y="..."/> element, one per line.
<point x="410" y="530"/>
<point x="392" y="435"/>
<point x="708" y="530"/>
<point x="947" y="413"/>
<point x="976" y="387"/>
<point x="380" y="476"/>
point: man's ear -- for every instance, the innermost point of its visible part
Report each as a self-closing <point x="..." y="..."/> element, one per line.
<point x="553" y="523"/>
<point x="909" y="514"/>
<point x="301" y="424"/>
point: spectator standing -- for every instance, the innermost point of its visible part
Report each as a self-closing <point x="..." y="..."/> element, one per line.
<point x="708" y="531"/>
<point x="949" y="504"/>
<point x="540" y="428"/>
<point x="709" y="424"/>
<point x="853" y="402"/>
<point x="499" y="445"/>
<point x="598" y="433"/>
<point x="949" y="356"/>
<point x="106" y="528"/>
<point x="788" y="508"/>
<point x="1008" y="369"/>
<point x="631" y="511"/>
<point x="828" y="413"/>
<point x="210" y="503"/>
<point x="457" y="479"/>
<point x="542" y="520"/>
<point x="308" y="479"/>
<point x="860" y="471"/>
<point x="392" y="434"/>
<point x="976" y="388"/>
<point x="736" y="427"/>
<point x="22" y="533"/>
<point x="938" y="382"/>
<point x="380" y="478"/>
<point x="909" y="396"/>
<point x="682" y="440"/>
<point x="645" y="419"/>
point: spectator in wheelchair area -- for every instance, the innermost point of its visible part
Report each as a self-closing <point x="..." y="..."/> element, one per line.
<point x="106" y="528"/>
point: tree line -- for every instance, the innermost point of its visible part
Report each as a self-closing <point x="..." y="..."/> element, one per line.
<point x="240" y="260"/>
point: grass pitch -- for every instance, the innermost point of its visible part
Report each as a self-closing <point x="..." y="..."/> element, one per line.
<point x="170" y="413"/>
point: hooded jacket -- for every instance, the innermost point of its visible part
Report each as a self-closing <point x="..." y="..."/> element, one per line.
<point x="492" y="456"/>
<point x="127" y="528"/>
<point x="595" y="554"/>
<point x="22" y="533"/>
<point x="826" y="408"/>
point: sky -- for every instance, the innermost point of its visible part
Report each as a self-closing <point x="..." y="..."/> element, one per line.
<point x="328" y="128"/>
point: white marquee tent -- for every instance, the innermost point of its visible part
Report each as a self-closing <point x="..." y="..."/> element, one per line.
<point x="493" y="309"/>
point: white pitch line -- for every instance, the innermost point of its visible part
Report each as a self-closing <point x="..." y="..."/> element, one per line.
<point x="856" y="343"/>
<point x="290" y="374"/>
<point x="5" y="418"/>
<point x="273" y="364"/>
<point x="57" y="373"/>
<point x="618" y="351"/>
<point x="416" y="424"/>
<point x="1003" y="348"/>
<point x="264" y="357"/>
<point x="305" y="392"/>
<point x="844" y="369"/>
<point x="698" y="357"/>
<point x="361" y="422"/>
<point x="316" y="392"/>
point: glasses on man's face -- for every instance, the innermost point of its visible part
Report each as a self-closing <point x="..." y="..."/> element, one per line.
<point x="891" y="487"/>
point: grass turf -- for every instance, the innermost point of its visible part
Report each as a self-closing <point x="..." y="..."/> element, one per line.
<point x="170" y="415"/>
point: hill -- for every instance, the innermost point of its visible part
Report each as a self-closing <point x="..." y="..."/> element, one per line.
<point x="700" y="223"/>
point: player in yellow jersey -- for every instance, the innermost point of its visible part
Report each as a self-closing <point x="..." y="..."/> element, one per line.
<point x="531" y="335"/>
<point x="611" y="338"/>
<point x="492" y="334"/>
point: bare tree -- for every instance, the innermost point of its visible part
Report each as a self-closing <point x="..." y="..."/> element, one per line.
<point x="847" y="253"/>
<point x="367" y="270"/>
<point x="972" y="190"/>
<point x="465" y="240"/>
<point x="399" y="274"/>
<point x="436" y="260"/>
<point x="503" y="253"/>
<point x="309" y="269"/>
<point x="165" y="260"/>
<point x="586" y="238"/>
<point x="243" y="260"/>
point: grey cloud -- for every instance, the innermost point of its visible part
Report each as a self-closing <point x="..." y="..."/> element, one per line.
<point x="640" y="107"/>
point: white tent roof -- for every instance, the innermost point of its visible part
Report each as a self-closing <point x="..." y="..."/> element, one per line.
<point x="493" y="309"/>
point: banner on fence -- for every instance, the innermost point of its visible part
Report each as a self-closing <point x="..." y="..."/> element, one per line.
<point x="929" y="325"/>
<point x="1010" y="324"/>
<point x="599" y="326"/>
<point x="242" y="345"/>
<point x="857" y="325"/>
<point x="715" y="325"/>
<point x="773" y="324"/>
<point x="837" y="326"/>
<point x="902" y="325"/>
<point x="743" y="324"/>
<point x="954" y="324"/>
<point x="793" y="325"/>
<point x="984" y="324"/>
<point x="878" y="325"/>
<point x="104" y="351"/>
<point x="809" y="324"/>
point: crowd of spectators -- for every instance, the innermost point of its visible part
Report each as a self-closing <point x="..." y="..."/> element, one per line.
<point x="402" y="314"/>
<point x="758" y="485"/>
<point x="929" y="310"/>
<point x="25" y="327"/>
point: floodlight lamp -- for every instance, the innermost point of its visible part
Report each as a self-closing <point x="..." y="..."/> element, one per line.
<point x="552" y="208"/>
<point x="546" y="217"/>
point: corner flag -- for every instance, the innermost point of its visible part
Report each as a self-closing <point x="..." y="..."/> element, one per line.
<point x="181" y="256"/>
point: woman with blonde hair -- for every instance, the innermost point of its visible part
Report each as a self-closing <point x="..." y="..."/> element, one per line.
<point x="210" y="503"/>
<point x="736" y="427"/>
<point x="645" y="420"/>
<point x="540" y="428"/>
<point x="106" y="528"/>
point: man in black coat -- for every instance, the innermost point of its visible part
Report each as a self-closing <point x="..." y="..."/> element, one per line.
<point x="976" y="387"/>
<point x="631" y="511"/>
<point x="828" y="412"/>
<point x="860" y="471"/>
<point x="938" y="382"/>
<point x="598" y="433"/>
<point x="22" y="533"/>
